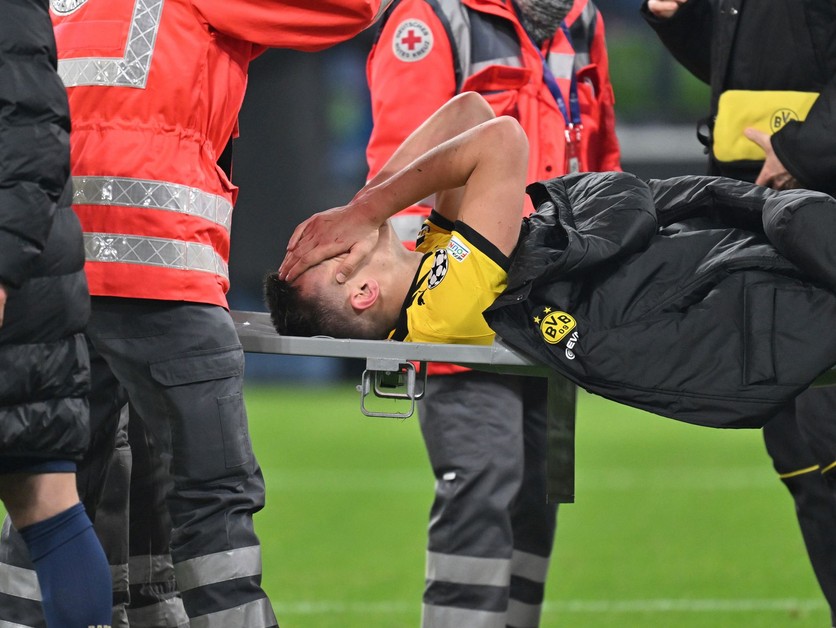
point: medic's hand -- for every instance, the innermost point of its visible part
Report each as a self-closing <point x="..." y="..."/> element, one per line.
<point x="326" y="235"/>
<point x="2" y="302"/>
<point x="773" y="174"/>
<point x="663" y="9"/>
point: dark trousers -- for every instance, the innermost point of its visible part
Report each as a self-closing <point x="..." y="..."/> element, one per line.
<point x="181" y="367"/>
<point x="802" y="444"/>
<point x="491" y="530"/>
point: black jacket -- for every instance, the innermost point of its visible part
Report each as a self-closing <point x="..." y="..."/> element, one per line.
<point x="43" y="355"/>
<point x="683" y="304"/>
<point x="765" y="45"/>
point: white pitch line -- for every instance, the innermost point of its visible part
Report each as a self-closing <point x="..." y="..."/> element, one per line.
<point x="576" y="606"/>
<point x="610" y="479"/>
<point x="683" y="605"/>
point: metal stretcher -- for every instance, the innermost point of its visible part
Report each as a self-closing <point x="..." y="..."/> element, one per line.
<point x="391" y="373"/>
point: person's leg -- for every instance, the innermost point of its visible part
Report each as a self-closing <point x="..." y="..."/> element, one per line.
<point x="815" y="411"/>
<point x="72" y="571"/>
<point x="104" y="461"/>
<point x="20" y="593"/>
<point x="815" y="504"/>
<point x="472" y="427"/>
<point x="533" y="519"/>
<point x="106" y="498"/>
<point x="183" y="367"/>
<point x="155" y="601"/>
<point x="104" y="476"/>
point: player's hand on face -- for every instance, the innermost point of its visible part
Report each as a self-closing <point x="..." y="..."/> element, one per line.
<point x="773" y="174"/>
<point x="326" y="235"/>
<point x="663" y="9"/>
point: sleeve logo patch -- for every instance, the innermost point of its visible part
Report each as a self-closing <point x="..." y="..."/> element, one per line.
<point x="65" y="7"/>
<point x="413" y="41"/>
<point x="457" y="249"/>
<point x="554" y="325"/>
<point x="439" y="269"/>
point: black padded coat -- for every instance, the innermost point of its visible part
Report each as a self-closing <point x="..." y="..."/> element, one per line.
<point x="703" y="299"/>
<point x="765" y="45"/>
<point x="44" y="365"/>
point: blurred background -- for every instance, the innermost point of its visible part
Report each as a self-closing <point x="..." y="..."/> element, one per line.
<point x="306" y="120"/>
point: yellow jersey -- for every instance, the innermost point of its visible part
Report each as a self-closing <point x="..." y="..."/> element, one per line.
<point x="460" y="276"/>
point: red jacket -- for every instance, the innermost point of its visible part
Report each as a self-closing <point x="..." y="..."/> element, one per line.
<point x="424" y="56"/>
<point x="155" y="88"/>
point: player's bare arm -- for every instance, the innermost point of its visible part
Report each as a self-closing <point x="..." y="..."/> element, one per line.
<point x="353" y="227"/>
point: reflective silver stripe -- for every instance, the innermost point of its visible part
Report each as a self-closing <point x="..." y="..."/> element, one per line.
<point x="435" y="616"/>
<point x="131" y="70"/>
<point x="19" y="582"/>
<point x="383" y="6"/>
<point x="460" y="27"/>
<point x="529" y="566"/>
<point x="218" y="567"/>
<point x="407" y="226"/>
<point x="521" y="615"/>
<point x="561" y="65"/>
<point x="125" y="192"/>
<point x="128" y="249"/>
<point x="8" y="624"/>
<point x="119" y="575"/>
<point x="257" y="614"/>
<point x="494" y="572"/>
<point x="166" y="614"/>
<point x="459" y="21"/>
<point x="587" y="18"/>
<point x="120" y="616"/>
<point x="150" y="568"/>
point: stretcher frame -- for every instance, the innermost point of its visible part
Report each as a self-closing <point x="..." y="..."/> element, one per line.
<point x="391" y="373"/>
<point x="390" y="367"/>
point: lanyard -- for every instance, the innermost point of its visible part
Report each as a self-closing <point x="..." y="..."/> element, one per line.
<point x="572" y="117"/>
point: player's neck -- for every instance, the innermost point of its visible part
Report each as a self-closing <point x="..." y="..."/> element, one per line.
<point x="404" y="267"/>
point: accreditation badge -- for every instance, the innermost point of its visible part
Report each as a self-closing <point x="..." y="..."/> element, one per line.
<point x="572" y="150"/>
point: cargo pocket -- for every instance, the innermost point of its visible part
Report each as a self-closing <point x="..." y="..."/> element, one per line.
<point x="204" y="387"/>
<point x="233" y="418"/>
<point x="759" y="319"/>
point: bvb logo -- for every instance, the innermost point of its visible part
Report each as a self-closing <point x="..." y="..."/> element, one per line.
<point x="778" y="119"/>
<point x="554" y="325"/>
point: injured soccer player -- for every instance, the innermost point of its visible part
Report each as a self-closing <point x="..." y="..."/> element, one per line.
<point x="476" y="164"/>
<point x="703" y="299"/>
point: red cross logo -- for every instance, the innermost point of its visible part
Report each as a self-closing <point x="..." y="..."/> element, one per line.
<point x="411" y="39"/>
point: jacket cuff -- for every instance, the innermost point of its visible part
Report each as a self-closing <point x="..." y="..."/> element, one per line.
<point x="17" y="257"/>
<point x="784" y="143"/>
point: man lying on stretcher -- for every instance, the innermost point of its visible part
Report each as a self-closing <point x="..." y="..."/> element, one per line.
<point x="704" y="299"/>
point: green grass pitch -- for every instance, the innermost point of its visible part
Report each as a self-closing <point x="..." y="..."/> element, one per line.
<point x="673" y="525"/>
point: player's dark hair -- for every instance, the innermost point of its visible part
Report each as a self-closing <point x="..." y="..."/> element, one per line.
<point x="296" y="314"/>
<point x="290" y="313"/>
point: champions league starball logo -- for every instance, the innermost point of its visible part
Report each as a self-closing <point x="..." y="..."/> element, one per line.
<point x="439" y="269"/>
